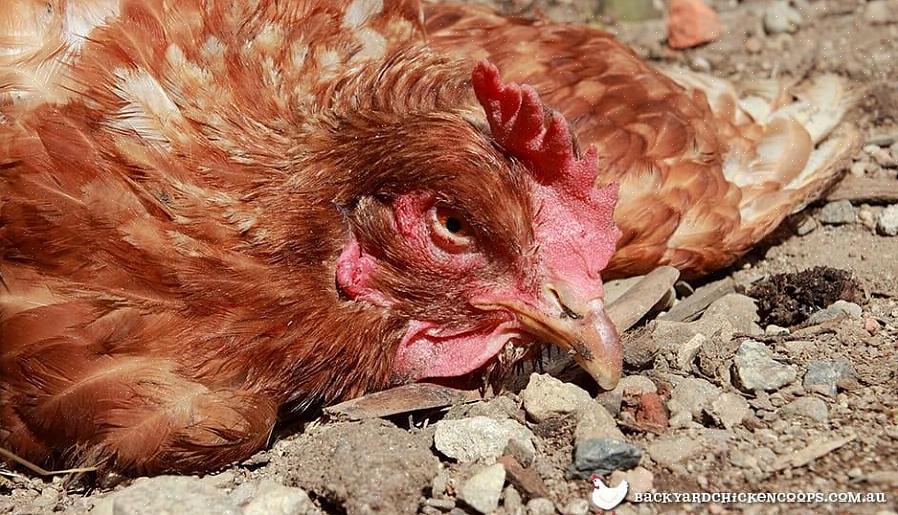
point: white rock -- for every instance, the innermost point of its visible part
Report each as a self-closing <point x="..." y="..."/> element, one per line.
<point x="483" y="490"/>
<point x="781" y="17"/>
<point x="757" y="370"/>
<point x="276" y="499"/>
<point x="692" y="395"/>
<point x="729" y="410"/>
<point x="546" y="397"/>
<point x="180" y="495"/>
<point x="887" y="223"/>
<point x="540" y="506"/>
<point x="810" y="407"/>
<point x="576" y="507"/>
<point x="480" y="438"/>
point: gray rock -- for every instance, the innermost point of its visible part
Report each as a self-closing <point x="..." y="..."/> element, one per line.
<point x="576" y="507"/>
<point x="692" y="395"/>
<point x="887" y="223"/>
<point x="522" y="450"/>
<point x="838" y="309"/>
<point x="636" y="385"/>
<point x="780" y="17"/>
<point x="546" y="397"/>
<point x="670" y="451"/>
<point x="804" y="224"/>
<point x="810" y="407"/>
<point x="167" y="495"/>
<point x="440" y="484"/>
<point x="729" y="410"/>
<point x="540" y="506"/>
<point x="276" y="499"/>
<point x="441" y="504"/>
<point x="602" y="456"/>
<point x="482" y="491"/>
<point x="480" y="439"/>
<point x="757" y="370"/>
<point x="824" y="376"/>
<point x="838" y="213"/>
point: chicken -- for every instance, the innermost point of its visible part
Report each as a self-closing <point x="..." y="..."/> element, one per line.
<point x="214" y="213"/>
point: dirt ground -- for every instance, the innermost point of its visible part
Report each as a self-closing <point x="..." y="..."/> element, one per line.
<point x="392" y="466"/>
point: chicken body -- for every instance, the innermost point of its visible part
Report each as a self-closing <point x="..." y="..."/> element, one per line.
<point x="215" y="212"/>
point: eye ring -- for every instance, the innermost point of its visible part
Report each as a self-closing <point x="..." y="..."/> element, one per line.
<point x="449" y="229"/>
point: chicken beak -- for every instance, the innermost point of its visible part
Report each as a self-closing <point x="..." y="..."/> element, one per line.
<point x="580" y="327"/>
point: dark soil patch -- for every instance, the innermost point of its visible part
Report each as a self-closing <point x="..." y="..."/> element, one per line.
<point x="789" y="299"/>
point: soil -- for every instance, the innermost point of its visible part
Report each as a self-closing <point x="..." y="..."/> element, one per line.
<point x="389" y="466"/>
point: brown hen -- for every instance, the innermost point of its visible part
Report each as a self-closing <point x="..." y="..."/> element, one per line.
<point x="213" y="212"/>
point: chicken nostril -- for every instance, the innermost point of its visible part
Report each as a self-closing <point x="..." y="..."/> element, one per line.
<point x="566" y="312"/>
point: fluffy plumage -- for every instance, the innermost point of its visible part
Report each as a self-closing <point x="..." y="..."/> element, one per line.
<point x="211" y="211"/>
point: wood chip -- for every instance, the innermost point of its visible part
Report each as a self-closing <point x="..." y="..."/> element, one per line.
<point x="402" y="399"/>
<point x="526" y="480"/>
<point x="865" y="189"/>
<point x="811" y="452"/>
<point x="693" y="305"/>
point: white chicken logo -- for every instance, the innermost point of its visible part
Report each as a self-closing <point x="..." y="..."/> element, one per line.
<point x="606" y="497"/>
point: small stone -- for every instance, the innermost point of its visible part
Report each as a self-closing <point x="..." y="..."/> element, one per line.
<point x="803" y="224"/>
<point x="167" y="494"/>
<point x="880" y="12"/>
<point x="640" y="479"/>
<point x="523" y="451"/>
<point x="440" y="484"/>
<point x="691" y="23"/>
<point x="824" y="376"/>
<point x="480" y="439"/>
<point x="511" y="501"/>
<point x="871" y="325"/>
<point x="739" y="310"/>
<point x="576" y="507"/>
<point x="858" y="168"/>
<point x="757" y="370"/>
<point x="810" y="407"/>
<point x="602" y="456"/>
<point x="441" y="504"/>
<point x="540" y="506"/>
<point x="692" y="395"/>
<point x="881" y="156"/>
<point x="775" y="330"/>
<point x="276" y="499"/>
<point x="635" y="386"/>
<point x="700" y="64"/>
<point x="887" y="223"/>
<point x="687" y="352"/>
<point x="743" y="459"/>
<point x="780" y="17"/>
<point x="596" y="422"/>
<point x="546" y="397"/>
<point x="483" y="489"/>
<point x="753" y="45"/>
<point x="671" y="451"/>
<point x="838" y="213"/>
<point x="729" y="410"/>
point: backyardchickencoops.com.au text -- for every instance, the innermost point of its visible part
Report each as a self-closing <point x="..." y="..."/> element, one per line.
<point x="760" y="497"/>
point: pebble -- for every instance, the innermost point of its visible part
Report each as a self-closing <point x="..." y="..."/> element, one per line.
<point x="441" y="504"/>
<point x="803" y="224"/>
<point x="480" y="439"/>
<point x="540" y="506"/>
<point x="602" y="456"/>
<point x="183" y="495"/>
<point x="739" y="310"/>
<point x="511" y="501"/>
<point x="810" y="407"/>
<point x="687" y="352"/>
<point x="757" y="370"/>
<point x="754" y="45"/>
<point x="838" y="213"/>
<point x="640" y="479"/>
<point x="692" y="395"/>
<point x="824" y="376"/>
<point x="636" y="385"/>
<point x="867" y="217"/>
<point x="482" y="491"/>
<point x="691" y="23"/>
<point x="440" y="484"/>
<point x="881" y="156"/>
<point x="879" y="12"/>
<point x="729" y="410"/>
<point x="273" y="498"/>
<point x="576" y="507"/>
<point x="835" y="310"/>
<point x="596" y="422"/>
<point x="887" y="223"/>
<point x="671" y="451"/>
<point x="775" y="330"/>
<point x="547" y="397"/>
<point x="780" y="17"/>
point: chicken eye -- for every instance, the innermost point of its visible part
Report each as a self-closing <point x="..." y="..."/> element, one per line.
<point x="449" y="229"/>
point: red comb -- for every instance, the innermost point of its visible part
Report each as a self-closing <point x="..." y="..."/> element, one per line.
<point x="526" y="129"/>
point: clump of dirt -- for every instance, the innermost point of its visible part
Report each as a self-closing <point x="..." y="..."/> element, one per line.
<point x="789" y="299"/>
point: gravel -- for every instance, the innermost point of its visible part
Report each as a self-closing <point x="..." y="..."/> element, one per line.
<point x="273" y="498"/>
<point x="182" y="495"/>
<point x="810" y="407"/>
<point x="540" y="506"/>
<point x="887" y="223"/>
<point x="546" y="397"/>
<point x="838" y="213"/>
<point x="729" y="410"/>
<point x="780" y="17"/>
